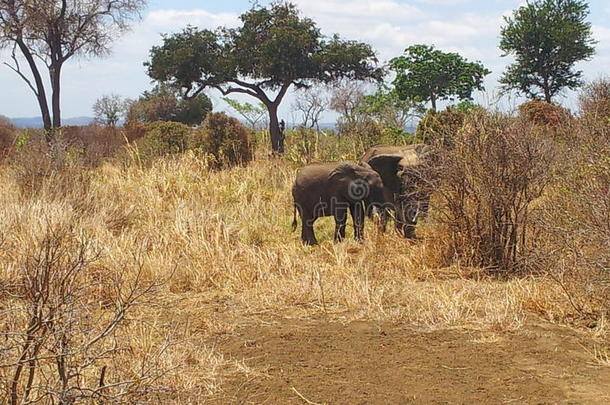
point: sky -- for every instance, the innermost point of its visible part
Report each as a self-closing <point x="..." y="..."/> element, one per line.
<point x="470" y="27"/>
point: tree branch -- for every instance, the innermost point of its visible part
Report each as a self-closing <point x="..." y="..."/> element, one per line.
<point x="17" y="69"/>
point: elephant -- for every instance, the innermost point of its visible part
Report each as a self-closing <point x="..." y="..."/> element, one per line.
<point x="406" y="191"/>
<point x="331" y="189"/>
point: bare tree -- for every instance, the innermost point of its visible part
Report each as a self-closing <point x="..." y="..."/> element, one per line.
<point x="49" y="32"/>
<point x="109" y="109"/>
<point x="347" y="99"/>
<point x="311" y="104"/>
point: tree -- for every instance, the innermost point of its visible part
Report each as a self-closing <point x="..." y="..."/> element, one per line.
<point x="163" y="104"/>
<point x="53" y="31"/>
<point x="250" y="112"/>
<point x="345" y="99"/>
<point x="388" y="109"/>
<point x="547" y="38"/>
<point x="311" y="104"/>
<point x="110" y="109"/>
<point x="425" y="74"/>
<point x="274" y="49"/>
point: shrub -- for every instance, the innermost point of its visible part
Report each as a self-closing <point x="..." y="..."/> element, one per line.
<point x="96" y="142"/>
<point x="440" y="127"/>
<point x="225" y="139"/>
<point x="54" y="170"/>
<point x="594" y="102"/>
<point x="365" y="132"/>
<point x="164" y="104"/>
<point x="8" y="134"/>
<point x="134" y="130"/>
<point x="575" y="223"/>
<point x="487" y="183"/>
<point x="544" y="114"/>
<point x="163" y="138"/>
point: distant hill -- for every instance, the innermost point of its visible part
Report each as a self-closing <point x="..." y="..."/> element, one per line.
<point x="36" y="122"/>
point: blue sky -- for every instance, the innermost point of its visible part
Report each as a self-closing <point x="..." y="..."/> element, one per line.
<point x="470" y="27"/>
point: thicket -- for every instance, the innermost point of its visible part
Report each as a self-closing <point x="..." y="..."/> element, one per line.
<point x="225" y="139"/>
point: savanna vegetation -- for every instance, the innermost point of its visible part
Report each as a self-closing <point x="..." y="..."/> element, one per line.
<point x="127" y="252"/>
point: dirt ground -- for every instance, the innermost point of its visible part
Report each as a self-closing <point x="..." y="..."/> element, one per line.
<point x="319" y="362"/>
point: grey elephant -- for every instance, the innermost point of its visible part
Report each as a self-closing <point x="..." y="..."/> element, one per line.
<point x="403" y="170"/>
<point x="333" y="189"/>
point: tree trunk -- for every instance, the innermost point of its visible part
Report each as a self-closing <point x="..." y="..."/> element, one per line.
<point x="433" y="101"/>
<point x="277" y="135"/>
<point x="547" y="95"/>
<point x="55" y="73"/>
<point x="41" y="95"/>
<point x="547" y="91"/>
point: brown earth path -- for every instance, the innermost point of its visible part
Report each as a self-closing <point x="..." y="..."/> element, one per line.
<point x="318" y="362"/>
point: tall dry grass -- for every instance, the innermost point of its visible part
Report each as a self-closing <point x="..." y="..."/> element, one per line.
<point x="218" y="248"/>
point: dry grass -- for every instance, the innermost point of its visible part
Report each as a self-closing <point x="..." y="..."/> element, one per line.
<point x="222" y="241"/>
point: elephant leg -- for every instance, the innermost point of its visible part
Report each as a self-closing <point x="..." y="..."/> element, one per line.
<point x="340" y="215"/>
<point x="383" y="220"/>
<point x="406" y="229"/>
<point x="307" y="234"/>
<point x="357" y="212"/>
<point x="405" y="226"/>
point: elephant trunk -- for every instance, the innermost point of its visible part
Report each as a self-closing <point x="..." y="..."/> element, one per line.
<point x="294" y="218"/>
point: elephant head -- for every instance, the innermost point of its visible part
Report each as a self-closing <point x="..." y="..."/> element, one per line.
<point x="359" y="183"/>
<point x="404" y="175"/>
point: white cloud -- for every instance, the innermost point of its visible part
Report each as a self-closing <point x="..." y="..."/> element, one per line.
<point x="361" y="10"/>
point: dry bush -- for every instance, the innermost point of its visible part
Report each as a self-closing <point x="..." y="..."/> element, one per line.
<point x="225" y="139"/>
<point x="545" y="115"/>
<point x="576" y="220"/>
<point x="55" y="170"/>
<point x="8" y="135"/>
<point x="488" y="183"/>
<point x="134" y="130"/>
<point x="594" y="102"/>
<point x="60" y="342"/>
<point x="97" y="142"/>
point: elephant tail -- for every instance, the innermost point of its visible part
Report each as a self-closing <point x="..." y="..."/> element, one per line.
<point x="294" y="218"/>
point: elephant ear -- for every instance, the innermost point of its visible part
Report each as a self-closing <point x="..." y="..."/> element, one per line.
<point x="365" y="165"/>
<point x="388" y="167"/>
<point x="343" y="170"/>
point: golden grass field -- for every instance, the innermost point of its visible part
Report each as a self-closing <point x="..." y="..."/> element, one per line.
<point x="219" y="247"/>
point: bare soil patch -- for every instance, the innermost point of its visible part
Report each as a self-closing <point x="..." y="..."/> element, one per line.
<point x="365" y="362"/>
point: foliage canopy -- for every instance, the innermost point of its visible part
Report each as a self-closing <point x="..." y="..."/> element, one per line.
<point x="547" y="38"/>
<point x="425" y="74"/>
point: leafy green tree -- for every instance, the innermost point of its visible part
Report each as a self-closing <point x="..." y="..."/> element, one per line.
<point x="425" y="74"/>
<point x="163" y="104"/>
<point x="390" y="110"/>
<point x="250" y="112"/>
<point x="547" y="38"/>
<point x="274" y="48"/>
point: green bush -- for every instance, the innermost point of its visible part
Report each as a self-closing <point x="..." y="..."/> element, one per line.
<point x="225" y="139"/>
<point x="163" y="138"/>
